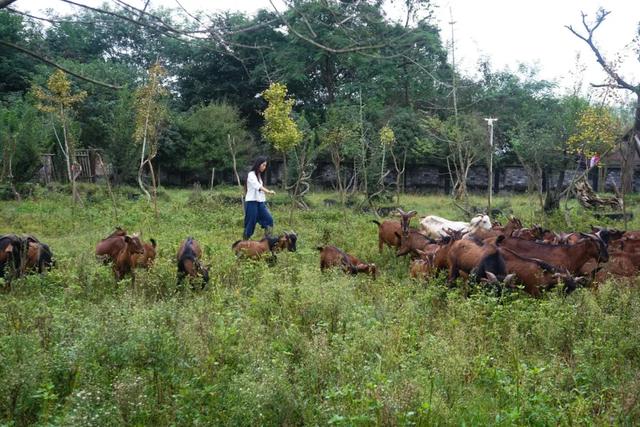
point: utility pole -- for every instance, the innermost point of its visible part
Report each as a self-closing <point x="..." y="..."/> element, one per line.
<point x="490" y="121"/>
<point x="453" y="67"/>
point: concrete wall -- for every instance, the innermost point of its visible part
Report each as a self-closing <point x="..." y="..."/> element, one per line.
<point x="417" y="178"/>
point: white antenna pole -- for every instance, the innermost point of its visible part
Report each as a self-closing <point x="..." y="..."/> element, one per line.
<point x="490" y="121"/>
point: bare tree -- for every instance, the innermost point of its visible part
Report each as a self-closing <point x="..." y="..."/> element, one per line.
<point x="615" y="82"/>
<point x="233" y="150"/>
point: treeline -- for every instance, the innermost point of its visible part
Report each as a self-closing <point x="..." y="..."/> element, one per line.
<point x="372" y="95"/>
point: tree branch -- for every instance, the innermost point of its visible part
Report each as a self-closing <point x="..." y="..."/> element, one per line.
<point x="49" y="20"/>
<point x="600" y="17"/>
<point x="58" y="66"/>
<point x="5" y="3"/>
<point x="319" y="45"/>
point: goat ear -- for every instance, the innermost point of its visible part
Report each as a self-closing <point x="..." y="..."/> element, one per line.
<point x="412" y="213"/>
<point x="398" y="235"/>
<point x="128" y="238"/>
<point x="499" y="239"/>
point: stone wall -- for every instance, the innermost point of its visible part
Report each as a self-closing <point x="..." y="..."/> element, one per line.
<point x="417" y="178"/>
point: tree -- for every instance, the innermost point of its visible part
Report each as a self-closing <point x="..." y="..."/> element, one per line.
<point x="150" y="113"/>
<point x="339" y="136"/>
<point x="461" y="138"/>
<point x="208" y="130"/>
<point x="279" y="129"/>
<point x="615" y="81"/>
<point x="59" y="100"/>
<point x="539" y="151"/>
<point x="9" y="127"/>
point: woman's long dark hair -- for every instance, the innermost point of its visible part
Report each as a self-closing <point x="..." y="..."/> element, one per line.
<point x="256" y="166"/>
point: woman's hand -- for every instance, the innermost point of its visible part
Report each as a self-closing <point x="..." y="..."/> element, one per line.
<point x="271" y="192"/>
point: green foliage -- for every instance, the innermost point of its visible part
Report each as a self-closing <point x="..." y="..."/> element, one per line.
<point x="22" y="135"/>
<point x="207" y="130"/>
<point x="15" y="68"/>
<point x="279" y="129"/>
<point x="289" y="345"/>
<point x="339" y="133"/>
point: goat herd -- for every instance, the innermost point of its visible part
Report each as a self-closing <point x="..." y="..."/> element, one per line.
<point x="20" y="255"/>
<point x="479" y="250"/>
<point x="537" y="258"/>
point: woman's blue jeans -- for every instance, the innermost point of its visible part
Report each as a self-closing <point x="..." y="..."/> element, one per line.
<point x="256" y="212"/>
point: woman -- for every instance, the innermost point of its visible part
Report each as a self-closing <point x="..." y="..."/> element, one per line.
<point x="255" y="210"/>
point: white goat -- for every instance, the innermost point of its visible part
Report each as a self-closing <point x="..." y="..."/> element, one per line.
<point x="433" y="226"/>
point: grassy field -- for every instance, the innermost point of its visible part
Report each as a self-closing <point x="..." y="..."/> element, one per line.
<point x="287" y="345"/>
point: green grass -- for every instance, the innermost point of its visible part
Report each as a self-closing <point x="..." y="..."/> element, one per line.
<point x="287" y="345"/>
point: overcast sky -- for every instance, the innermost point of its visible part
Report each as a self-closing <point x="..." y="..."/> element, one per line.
<point x="508" y="32"/>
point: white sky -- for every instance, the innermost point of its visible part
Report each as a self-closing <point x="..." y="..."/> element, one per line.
<point x="508" y="32"/>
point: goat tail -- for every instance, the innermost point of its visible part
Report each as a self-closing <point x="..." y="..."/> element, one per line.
<point x="235" y="244"/>
<point x="376" y="222"/>
<point x="320" y="248"/>
<point x="153" y="242"/>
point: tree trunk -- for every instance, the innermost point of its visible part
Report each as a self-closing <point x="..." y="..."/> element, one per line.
<point x="285" y="172"/>
<point x="232" y="150"/>
<point x="142" y="160"/>
<point x="552" y="201"/>
<point x="363" y="141"/>
<point x="337" y="162"/>
<point x="154" y="189"/>
<point x="69" y="155"/>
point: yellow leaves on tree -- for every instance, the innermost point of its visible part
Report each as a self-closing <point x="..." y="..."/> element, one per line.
<point x="58" y="96"/>
<point x="279" y="128"/>
<point x="387" y="137"/>
<point x="150" y="111"/>
<point x="59" y="101"/>
<point x="597" y="131"/>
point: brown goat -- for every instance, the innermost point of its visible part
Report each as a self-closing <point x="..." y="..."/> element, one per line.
<point x="388" y="232"/>
<point x="423" y="267"/>
<point x="512" y="225"/>
<point x="536" y="274"/>
<point x="147" y="258"/>
<point x="331" y="256"/>
<point x="441" y="256"/>
<point x="405" y="220"/>
<point x="123" y="264"/>
<point x="477" y="257"/>
<point x="413" y="242"/>
<point x="39" y="256"/>
<point x="620" y="264"/>
<point x="189" y="254"/>
<point x="256" y="248"/>
<point x="570" y="257"/>
<point x="109" y="247"/>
